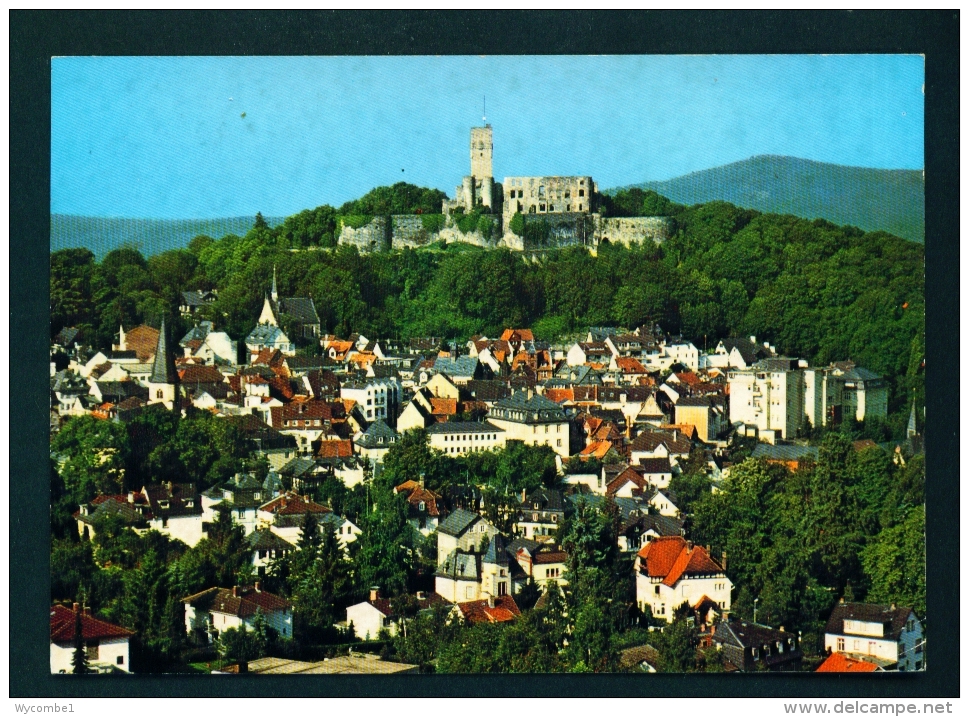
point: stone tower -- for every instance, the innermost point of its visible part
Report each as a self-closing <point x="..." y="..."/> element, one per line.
<point x="163" y="382"/>
<point x="482" y="148"/>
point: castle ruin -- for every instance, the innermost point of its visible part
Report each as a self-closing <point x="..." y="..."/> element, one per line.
<point x="556" y="211"/>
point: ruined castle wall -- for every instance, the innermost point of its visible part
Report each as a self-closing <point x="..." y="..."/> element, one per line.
<point x="374" y="236"/>
<point x="633" y="230"/>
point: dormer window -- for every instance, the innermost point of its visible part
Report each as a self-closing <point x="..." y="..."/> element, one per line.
<point x="421" y="506"/>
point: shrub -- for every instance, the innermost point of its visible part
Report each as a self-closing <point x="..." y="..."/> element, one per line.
<point x="432" y="223"/>
<point x="517" y="224"/>
<point x="354" y="221"/>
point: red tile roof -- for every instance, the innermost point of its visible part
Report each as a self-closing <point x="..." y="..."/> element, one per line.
<point x="335" y="449"/>
<point x="842" y="663"/>
<point x="630" y="475"/>
<point x="690" y="379"/>
<point x="520" y="334"/>
<point x="201" y="374"/>
<point x="444" y="406"/>
<point x="142" y="340"/>
<point x="505" y="610"/>
<point x="627" y="364"/>
<point x="62" y="626"/>
<point x="293" y="504"/>
<point x="596" y="449"/>
<point x="671" y="558"/>
<point x="306" y="411"/>
<point x="559" y="395"/>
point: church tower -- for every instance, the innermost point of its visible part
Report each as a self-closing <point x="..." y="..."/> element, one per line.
<point x="163" y="382"/>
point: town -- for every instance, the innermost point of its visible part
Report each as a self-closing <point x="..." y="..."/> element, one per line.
<point x="276" y="488"/>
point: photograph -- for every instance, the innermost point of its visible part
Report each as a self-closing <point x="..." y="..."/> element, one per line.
<point x="412" y="365"/>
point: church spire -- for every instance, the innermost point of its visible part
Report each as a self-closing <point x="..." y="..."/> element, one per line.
<point x="163" y="366"/>
<point x="275" y="294"/>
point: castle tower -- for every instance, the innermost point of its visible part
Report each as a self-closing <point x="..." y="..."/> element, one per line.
<point x="482" y="148"/>
<point x="163" y="382"/>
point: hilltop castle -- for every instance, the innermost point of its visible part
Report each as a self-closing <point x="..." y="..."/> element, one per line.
<point x="556" y="211"/>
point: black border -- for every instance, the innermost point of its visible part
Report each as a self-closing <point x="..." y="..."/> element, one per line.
<point x="35" y="36"/>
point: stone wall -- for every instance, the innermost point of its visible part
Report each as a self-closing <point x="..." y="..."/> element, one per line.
<point x="548" y="231"/>
<point x="374" y="236"/>
<point x="633" y="230"/>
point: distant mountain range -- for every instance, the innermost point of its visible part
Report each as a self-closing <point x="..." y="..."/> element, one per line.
<point x="892" y="200"/>
<point x="150" y="236"/>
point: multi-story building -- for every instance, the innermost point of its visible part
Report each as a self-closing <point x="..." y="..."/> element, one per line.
<point x="823" y="396"/>
<point x="378" y="398"/>
<point x="461" y="437"/>
<point x="769" y="397"/>
<point x="865" y="392"/>
<point x="533" y="419"/>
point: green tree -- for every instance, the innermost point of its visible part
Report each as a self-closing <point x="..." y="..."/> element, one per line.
<point x="79" y="661"/>
<point x="894" y="563"/>
<point x="96" y="455"/>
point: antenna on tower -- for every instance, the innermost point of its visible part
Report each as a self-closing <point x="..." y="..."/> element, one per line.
<point x="484" y="111"/>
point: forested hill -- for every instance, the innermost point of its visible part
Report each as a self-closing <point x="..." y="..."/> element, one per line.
<point x="150" y="236"/>
<point x="891" y="200"/>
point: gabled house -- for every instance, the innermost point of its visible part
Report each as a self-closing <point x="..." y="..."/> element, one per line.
<point x="285" y="514"/>
<point x="192" y="301"/>
<point x="241" y="496"/>
<point x="380" y="613"/>
<point x="424" y="506"/>
<point x="836" y="662"/>
<point x="105" y="644"/>
<point x="659" y="444"/>
<point x="886" y="635"/>
<point x="210" y="612"/>
<point x="462" y="437"/>
<point x="462" y="530"/>
<point x="543" y="562"/>
<point x="175" y="510"/>
<point x="266" y="547"/>
<point x="671" y="570"/>
<point x="346" y="531"/>
<point x="749" y="646"/>
<point x="706" y="413"/>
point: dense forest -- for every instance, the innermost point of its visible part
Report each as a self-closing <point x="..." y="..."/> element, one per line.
<point x="812" y="289"/>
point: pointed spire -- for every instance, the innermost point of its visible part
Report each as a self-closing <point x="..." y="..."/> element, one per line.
<point x="163" y="366"/>
<point x="275" y="294"/>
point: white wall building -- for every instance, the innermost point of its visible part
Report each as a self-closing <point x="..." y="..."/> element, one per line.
<point x="211" y="611"/>
<point x="106" y="645"/>
<point x="670" y="571"/>
<point x="884" y="634"/>
<point x="461" y="437"/>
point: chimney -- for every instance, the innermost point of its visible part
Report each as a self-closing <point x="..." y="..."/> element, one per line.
<point x="841" y="600"/>
<point x="258" y="586"/>
<point x="374" y="593"/>
<point x="723" y="560"/>
<point x="781" y="628"/>
<point x="689" y="546"/>
<point x="131" y="496"/>
<point x="753" y="339"/>
<point x="421" y="482"/>
<point x="87" y="609"/>
<point x="531" y="394"/>
<point x="77" y="607"/>
<point x="421" y="595"/>
<point x="894" y="607"/>
<point x="235" y="591"/>
<point x="524" y="496"/>
<point x="491" y="601"/>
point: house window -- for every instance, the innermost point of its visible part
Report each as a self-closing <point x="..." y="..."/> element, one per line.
<point x="92" y="651"/>
<point x="581" y="194"/>
<point x="841" y="644"/>
<point x="159" y="394"/>
<point x="656" y="590"/>
<point x="469" y="592"/>
<point x="120" y="660"/>
<point x="918" y="665"/>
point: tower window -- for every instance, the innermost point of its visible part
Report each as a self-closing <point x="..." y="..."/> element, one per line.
<point x="581" y="192"/>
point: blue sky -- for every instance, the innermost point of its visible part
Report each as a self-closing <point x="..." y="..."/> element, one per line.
<point x="166" y="137"/>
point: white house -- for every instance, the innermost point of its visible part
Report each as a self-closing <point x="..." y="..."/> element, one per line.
<point x="175" y="509"/>
<point x="884" y="634"/>
<point x="266" y="547"/>
<point x="467" y="576"/>
<point x="865" y="392"/>
<point x="769" y="396"/>
<point x="346" y="531"/>
<point x="671" y="570"/>
<point x="377" y="613"/>
<point x="106" y="645"/>
<point x="378" y="398"/>
<point x="211" y="611"/>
